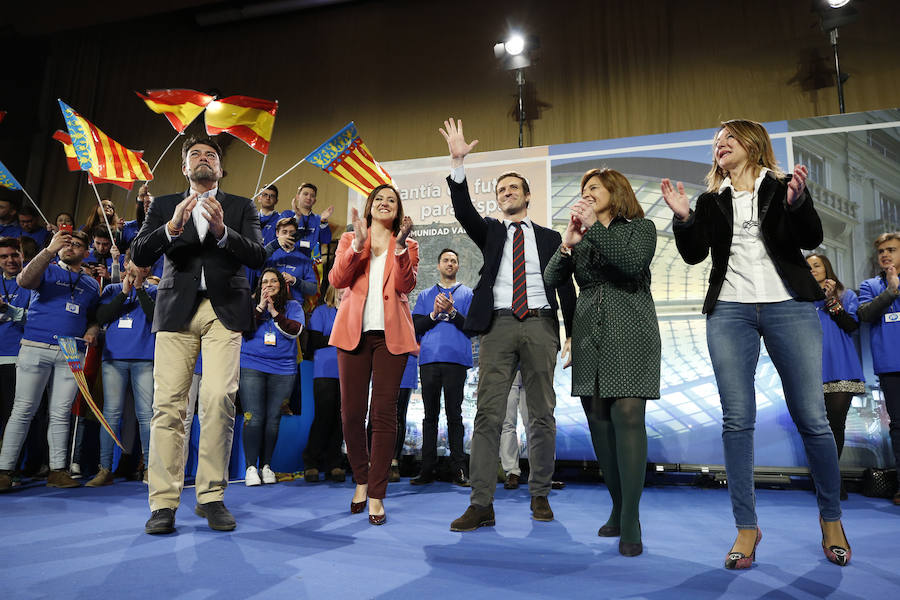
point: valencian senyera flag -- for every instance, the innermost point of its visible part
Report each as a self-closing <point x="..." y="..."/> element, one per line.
<point x="7" y="180"/>
<point x="251" y="120"/>
<point x="346" y="157"/>
<point x="72" y="161"/>
<point x="104" y="158"/>
<point x="69" y="347"/>
<point x="180" y="107"/>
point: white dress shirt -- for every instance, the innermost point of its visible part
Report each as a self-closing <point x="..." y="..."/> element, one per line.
<point x="373" y="311"/>
<point x="202" y="226"/>
<point x="534" y="278"/>
<point x="751" y="276"/>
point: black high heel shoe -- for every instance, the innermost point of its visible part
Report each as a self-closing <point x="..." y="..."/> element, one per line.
<point x="836" y="554"/>
<point x="739" y="560"/>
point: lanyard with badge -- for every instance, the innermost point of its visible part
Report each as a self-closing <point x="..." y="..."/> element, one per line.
<point x="6" y="294"/>
<point x="125" y="321"/>
<point x="269" y="338"/>
<point x="71" y="306"/>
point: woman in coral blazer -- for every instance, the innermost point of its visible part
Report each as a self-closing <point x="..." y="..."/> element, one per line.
<point x="374" y="334"/>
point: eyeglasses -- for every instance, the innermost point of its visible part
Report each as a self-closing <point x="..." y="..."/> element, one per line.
<point x="76" y="245"/>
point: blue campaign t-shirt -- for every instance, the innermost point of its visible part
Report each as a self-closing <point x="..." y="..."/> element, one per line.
<point x="410" y="380"/>
<point x="324" y="359"/>
<point x="884" y="334"/>
<point x="130" y="231"/>
<point x="60" y="305"/>
<point x="11" y="333"/>
<point x="296" y="264"/>
<point x="277" y="359"/>
<point x="445" y="342"/>
<point x="40" y="236"/>
<point x="310" y="233"/>
<point x="267" y="226"/>
<point x="11" y="230"/>
<point x="128" y="337"/>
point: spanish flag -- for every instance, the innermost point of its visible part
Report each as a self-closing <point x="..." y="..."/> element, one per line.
<point x="106" y="160"/>
<point x="248" y="119"/>
<point x="180" y="107"/>
<point x="346" y="157"/>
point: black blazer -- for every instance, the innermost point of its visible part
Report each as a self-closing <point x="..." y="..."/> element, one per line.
<point x="226" y="282"/>
<point x="490" y="235"/>
<point x="785" y="230"/>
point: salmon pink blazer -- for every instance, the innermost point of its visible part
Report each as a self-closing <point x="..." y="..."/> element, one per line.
<point x="351" y="271"/>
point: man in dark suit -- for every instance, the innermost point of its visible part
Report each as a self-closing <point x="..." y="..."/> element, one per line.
<point x="515" y="315"/>
<point x="203" y="305"/>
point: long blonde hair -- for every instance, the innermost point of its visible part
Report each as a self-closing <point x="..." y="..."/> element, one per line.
<point x="755" y="140"/>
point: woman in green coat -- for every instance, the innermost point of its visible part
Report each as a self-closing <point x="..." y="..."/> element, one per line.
<point x="608" y="245"/>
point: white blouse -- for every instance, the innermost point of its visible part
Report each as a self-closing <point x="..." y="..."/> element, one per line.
<point x="373" y="311"/>
<point x="751" y="276"/>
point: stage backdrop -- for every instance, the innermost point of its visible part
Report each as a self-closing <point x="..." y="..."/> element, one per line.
<point x="854" y="161"/>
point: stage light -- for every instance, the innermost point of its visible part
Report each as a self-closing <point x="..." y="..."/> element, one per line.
<point x="515" y="45"/>
<point x="837" y="3"/>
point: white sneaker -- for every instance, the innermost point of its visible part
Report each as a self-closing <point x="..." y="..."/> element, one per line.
<point x="252" y="477"/>
<point x="268" y="476"/>
<point x="75" y="470"/>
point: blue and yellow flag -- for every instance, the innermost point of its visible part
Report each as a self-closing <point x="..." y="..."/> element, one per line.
<point x="7" y="180"/>
<point x="346" y="157"/>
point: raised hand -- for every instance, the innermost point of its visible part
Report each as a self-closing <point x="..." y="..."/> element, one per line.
<point x="583" y="212"/>
<point x="405" y="228"/>
<point x="797" y="184"/>
<point x="456" y="141"/>
<point x="114" y="252"/>
<point x="893" y="281"/>
<point x="830" y="288"/>
<point x="677" y="200"/>
<point x="127" y="284"/>
<point x="59" y="239"/>
<point x="360" y="230"/>
<point x="326" y="214"/>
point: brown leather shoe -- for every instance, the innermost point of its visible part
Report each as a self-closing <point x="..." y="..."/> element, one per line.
<point x="540" y="509"/>
<point x="103" y="477"/>
<point x="512" y="482"/>
<point x="473" y="518"/>
<point x="311" y="476"/>
<point x="338" y="475"/>
<point x="5" y="480"/>
<point x="60" y="478"/>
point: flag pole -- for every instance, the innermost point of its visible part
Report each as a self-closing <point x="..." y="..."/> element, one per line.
<point x="112" y="238"/>
<point x="159" y="160"/>
<point x="34" y="204"/>
<point x="259" y="179"/>
<point x="274" y="181"/>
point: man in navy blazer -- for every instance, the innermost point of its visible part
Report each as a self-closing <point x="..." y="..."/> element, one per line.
<point x="203" y="304"/>
<point x="511" y="332"/>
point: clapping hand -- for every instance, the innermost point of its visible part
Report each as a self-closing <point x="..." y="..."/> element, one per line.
<point x="890" y="275"/>
<point x="797" y="184"/>
<point x="405" y="228"/>
<point x="360" y="230"/>
<point x="677" y="200"/>
<point x="830" y="288"/>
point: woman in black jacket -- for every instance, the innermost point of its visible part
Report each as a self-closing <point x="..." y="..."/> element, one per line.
<point x="755" y="220"/>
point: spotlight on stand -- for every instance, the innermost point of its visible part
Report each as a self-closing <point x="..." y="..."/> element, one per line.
<point x="516" y="53"/>
<point x="835" y="14"/>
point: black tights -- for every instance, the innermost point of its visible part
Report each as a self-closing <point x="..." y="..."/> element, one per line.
<point x="837" y="404"/>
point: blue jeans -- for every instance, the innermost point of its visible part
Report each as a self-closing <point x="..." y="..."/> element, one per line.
<point x="35" y="368"/>
<point x="116" y="376"/>
<point x="793" y="337"/>
<point x="262" y="395"/>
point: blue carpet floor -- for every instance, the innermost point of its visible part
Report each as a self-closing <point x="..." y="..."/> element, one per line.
<point x="297" y="540"/>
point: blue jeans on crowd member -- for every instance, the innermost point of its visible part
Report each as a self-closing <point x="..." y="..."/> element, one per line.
<point x="116" y="376"/>
<point x="262" y="395"/>
<point x="793" y="337"/>
<point x="36" y="367"/>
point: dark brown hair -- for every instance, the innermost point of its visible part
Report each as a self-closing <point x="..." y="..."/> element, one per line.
<point x="829" y="270"/>
<point x="367" y="212"/>
<point x="525" y="187"/>
<point x="311" y="186"/>
<point x="194" y="140"/>
<point x="284" y="294"/>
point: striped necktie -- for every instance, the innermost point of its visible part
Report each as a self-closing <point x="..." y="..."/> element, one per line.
<point x="520" y="290"/>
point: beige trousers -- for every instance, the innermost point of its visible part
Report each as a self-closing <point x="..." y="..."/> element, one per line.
<point x="176" y="355"/>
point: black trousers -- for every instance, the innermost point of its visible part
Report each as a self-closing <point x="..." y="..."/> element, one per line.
<point x="890" y="387"/>
<point x="449" y="378"/>
<point x="323" y="449"/>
